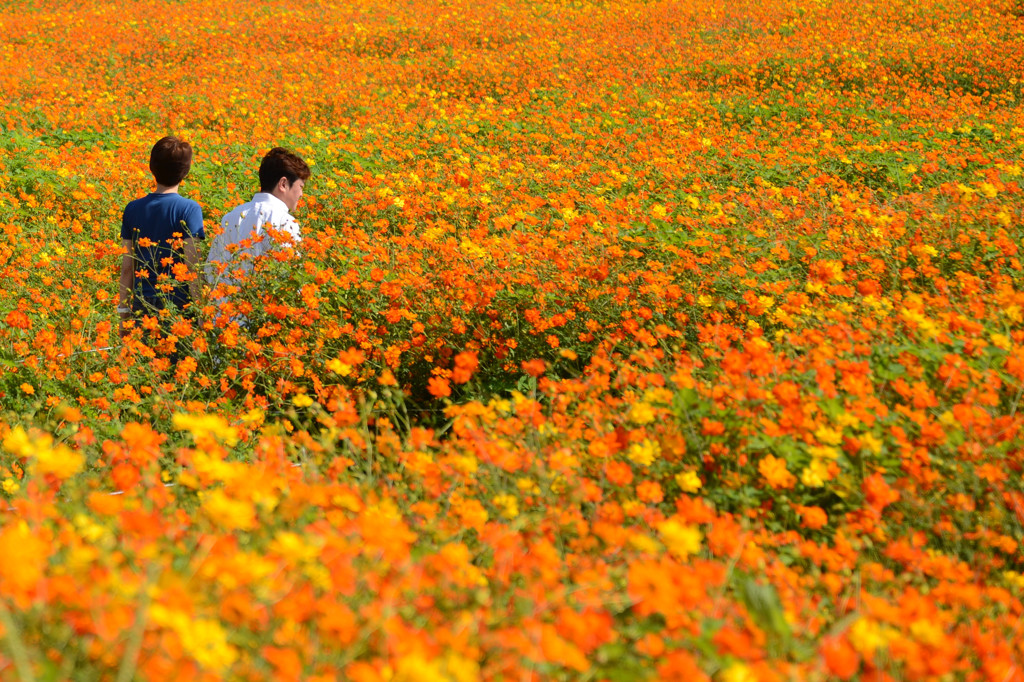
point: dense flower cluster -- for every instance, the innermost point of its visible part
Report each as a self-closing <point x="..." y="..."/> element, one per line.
<point x="641" y="340"/>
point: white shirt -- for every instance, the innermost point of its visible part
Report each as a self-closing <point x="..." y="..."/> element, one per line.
<point x="247" y="222"/>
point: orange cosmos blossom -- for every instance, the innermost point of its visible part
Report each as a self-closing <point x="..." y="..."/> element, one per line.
<point x="775" y="472"/>
<point x="439" y="387"/>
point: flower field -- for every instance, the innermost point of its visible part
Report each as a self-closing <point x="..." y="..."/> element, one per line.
<point x="656" y="339"/>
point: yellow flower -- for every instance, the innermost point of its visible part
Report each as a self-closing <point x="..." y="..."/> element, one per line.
<point x="294" y="547"/>
<point x="661" y="396"/>
<point x="738" y="672"/>
<point x="847" y="419"/>
<point x="872" y="443"/>
<point x="302" y="400"/>
<point x="927" y="632"/>
<point x="216" y="469"/>
<point x="644" y="543"/>
<point x="416" y="668"/>
<point x="641" y="413"/>
<point x="507" y="504"/>
<point x="867" y="637"/>
<point x="11" y="486"/>
<point x="1001" y="341"/>
<point x="815" y="475"/>
<point x="17" y="442"/>
<point x="339" y="367"/>
<point x="253" y="417"/>
<point x="229" y="513"/>
<point x="462" y="669"/>
<point x="689" y="481"/>
<point x="32" y="552"/>
<point x="1015" y="579"/>
<point x="61" y="461"/>
<point x="204" y="639"/>
<point x="823" y="452"/>
<point x="828" y="436"/>
<point x="643" y="453"/>
<point x="200" y="425"/>
<point x="681" y="540"/>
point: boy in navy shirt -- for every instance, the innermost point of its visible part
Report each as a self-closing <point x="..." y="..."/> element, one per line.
<point x="159" y="232"/>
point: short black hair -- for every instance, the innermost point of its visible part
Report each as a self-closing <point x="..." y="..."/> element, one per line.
<point x="281" y="163"/>
<point x="170" y="160"/>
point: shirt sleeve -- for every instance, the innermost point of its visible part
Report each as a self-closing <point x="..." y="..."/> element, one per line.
<point x="194" y="220"/>
<point x="126" y="231"/>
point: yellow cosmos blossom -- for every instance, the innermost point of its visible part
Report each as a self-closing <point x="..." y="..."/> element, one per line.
<point x="229" y="513"/>
<point x="507" y="505"/>
<point x="340" y="368"/>
<point x="206" y="425"/>
<point x="815" y="474"/>
<point x="988" y="190"/>
<point x="18" y="540"/>
<point x="738" y="672"/>
<point x="872" y="443"/>
<point x="58" y="460"/>
<point x="644" y="543"/>
<point x="204" y="639"/>
<point x="823" y="452"/>
<point x="61" y="461"/>
<point x="461" y="669"/>
<point x="867" y="636"/>
<point x="688" y="481"/>
<point x="17" y="442"/>
<point x="294" y="547"/>
<point x="927" y="632"/>
<point x="681" y="540"/>
<point x="643" y="453"/>
<point x="641" y="413"/>
<point x="828" y="436"/>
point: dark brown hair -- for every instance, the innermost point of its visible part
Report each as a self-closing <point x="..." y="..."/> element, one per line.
<point x="281" y="163"/>
<point x="170" y="160"/>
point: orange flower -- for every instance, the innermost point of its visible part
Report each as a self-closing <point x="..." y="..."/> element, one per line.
<point x="618" y="473"/>
<point x="20" y="576"/>
<point x="439" y="388"/>
<point x="465" y="364"/>
<point x="774" y="471"/>
<point x="812" y="518"/>
<point x="878" y="493"/>
<point x="534" y="367"/>
<point x="840" y="658"/>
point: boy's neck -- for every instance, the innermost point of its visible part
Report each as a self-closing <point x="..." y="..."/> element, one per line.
<point x="164" y="189"/>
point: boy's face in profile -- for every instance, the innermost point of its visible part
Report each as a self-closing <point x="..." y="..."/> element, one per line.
<point x="293" y="193"/>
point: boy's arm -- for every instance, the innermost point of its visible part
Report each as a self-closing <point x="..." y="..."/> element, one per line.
<point x="191" y="254"/>
<point x="127" y="283"/>
<point x="127" y="278"/>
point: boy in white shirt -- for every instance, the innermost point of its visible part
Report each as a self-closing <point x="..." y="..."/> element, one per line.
<point x="244" y="237"/>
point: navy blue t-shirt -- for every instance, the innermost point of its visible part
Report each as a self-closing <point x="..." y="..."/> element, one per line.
<point x="161" y="218"/>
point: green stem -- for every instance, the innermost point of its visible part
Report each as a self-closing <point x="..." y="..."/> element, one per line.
<point x="126" y="672"/>
<point x="18" y="650"/>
